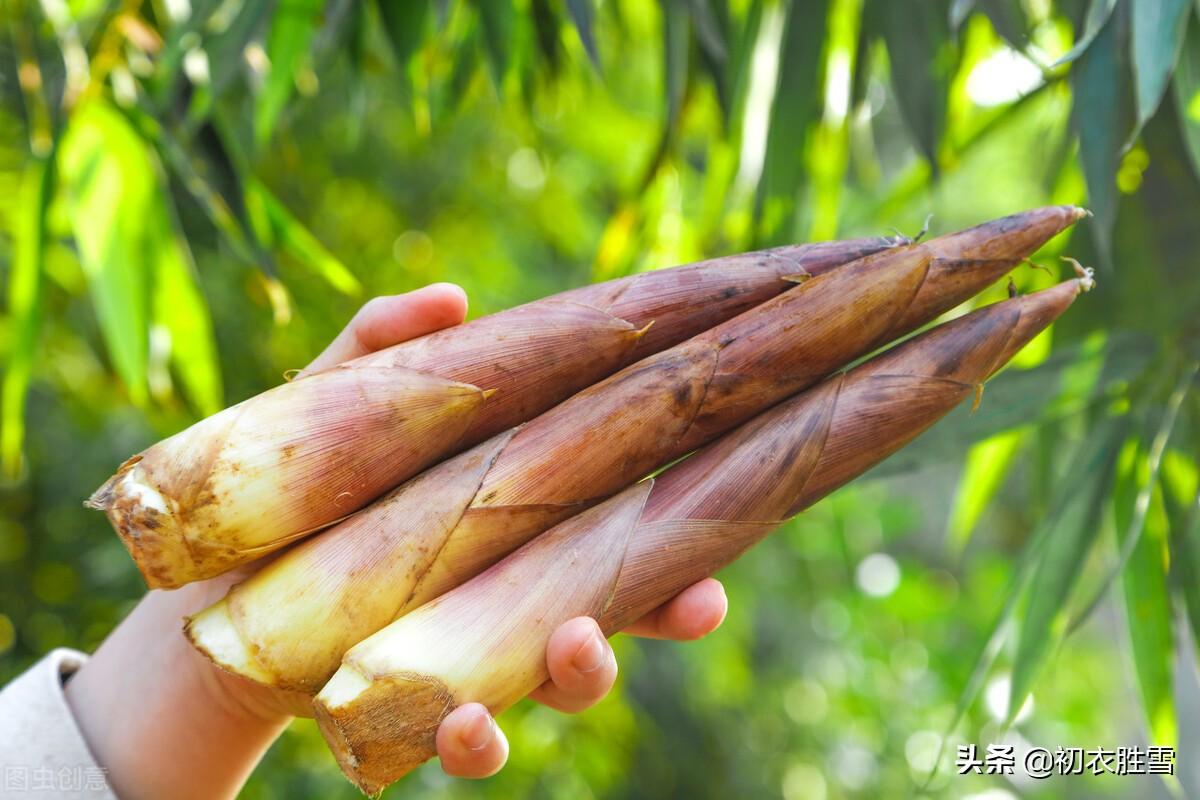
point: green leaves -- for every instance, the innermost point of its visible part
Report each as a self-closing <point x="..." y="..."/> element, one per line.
<point x="497" y="18"/>
<point x="24" y="308"/>
<point x="109" y="183"/>
<point x="676" y="26"/>
<point x="1158" y="32"/>
<point x="137" y="267"/>
<point x="1181" y="500"/>
<point x="1097" y="17"/>
<point x="404" y="23"/>
<point x="1101" y="118"/>
<point x="1053" y="560"/>
<point x="1141" y="525"/>
<point x="923" y="59"/>
<point x="1068" y="537"/>
<point x="583" y="17"/>
<point x="1008" y="18"/>
<point x="1186" y="86"/>
<point x="1064" y="529"/>
<point x="796" y="104"/>
<point x="276" y="227"/>
<point x="988" y="464"/>
<point x="292" y="28"/>
<point x="179" y="309"/>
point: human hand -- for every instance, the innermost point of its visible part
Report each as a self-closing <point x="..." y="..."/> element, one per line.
<point x="164" y="721"/>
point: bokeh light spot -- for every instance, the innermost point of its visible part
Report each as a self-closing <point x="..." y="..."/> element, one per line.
<point x="803" y="782"/>
<point x="878" y="575"/>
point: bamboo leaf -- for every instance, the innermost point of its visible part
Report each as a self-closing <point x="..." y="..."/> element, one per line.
<point x="676" y="39"/>
<point x="1186" y="85"/>
<point x="404" y="23"/>
<point x="276" y="224"/>
<point x="24" y="307"/>
<point x="987" y="465"/>
<point x="1181" y="500"/>
<point x="708" y="30"/>
<point x="583" y="17"/>
<point x="718" y="62"/>
<point x="1097" y="16"/>
<point x="138" y="269"/>
<point x="207" y="171"/>
<point x="546" y="29"/>
<point x="1147" y="602"/>
<point x="226" y="37"/>
<point x="1084" y="475"/>
<point x="1101" y="117"/>
<point x="180" y="37"/>
<point x="1130" y="534"/>
<point x="180" y="309"/>
<point x="1008" y="19"/>
<point x="796" y="105"/>
<point x="864" y="48"/>
<point x="742" y="51"/>
<point x="497" y="18"/>
<point x="1067" y="541"/>
<point x="1158" y="32"/>
<point x="338" y="26"/>
<point x="109" y="179"/>
<point x="450" y="93"/>
<point x="922" y="59"/>
<point x="292" y="29"/>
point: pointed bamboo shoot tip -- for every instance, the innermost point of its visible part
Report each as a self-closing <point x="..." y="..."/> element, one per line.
<point x="489" y="392"/>
<point x="978" y="397"/>
<point x="1080" y="213"/>
<point x="797" y="277"/>
<point x="640" y="332"/>
<point x="1085" y="275"/>
<point x="290" y="375"/>
<point x="1012" y="287"/>
<point x="100" y="499"/>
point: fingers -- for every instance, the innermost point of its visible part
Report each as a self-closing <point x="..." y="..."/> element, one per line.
<point x="582" y="670"/>
<point x="692" y="614"/>
<point x="391" y="319"/>
<point x="581" y="664"/>
<point x="470" y="743"/>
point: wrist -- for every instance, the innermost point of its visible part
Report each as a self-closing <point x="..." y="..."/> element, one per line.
<point x="161" y="718"/>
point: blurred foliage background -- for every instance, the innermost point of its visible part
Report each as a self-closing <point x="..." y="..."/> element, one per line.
<point x="196" y="194"/>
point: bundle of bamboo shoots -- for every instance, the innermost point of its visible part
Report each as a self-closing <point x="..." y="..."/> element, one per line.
<point x="486" y="640"/>
<point x="289" y="624"/>
<point x="282" y="464"/>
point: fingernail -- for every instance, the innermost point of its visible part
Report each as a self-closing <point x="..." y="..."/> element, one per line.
<point x="479" y="733"/>
<point x="590" y="655"/>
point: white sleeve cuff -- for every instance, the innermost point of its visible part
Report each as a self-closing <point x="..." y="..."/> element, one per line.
<point x="43" y="754"/>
